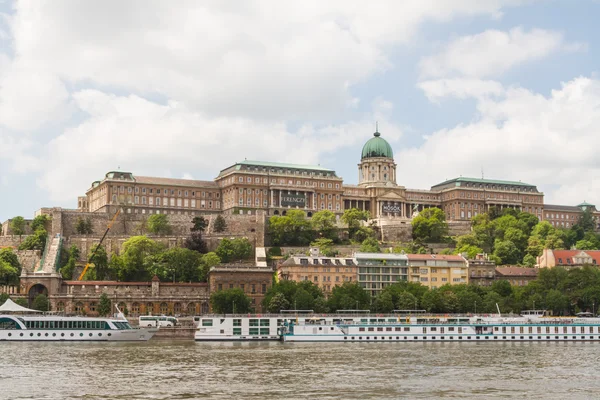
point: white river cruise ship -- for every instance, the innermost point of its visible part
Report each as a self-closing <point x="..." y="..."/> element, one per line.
<point x="58" y="328"/>
<point x="448" y="328"/>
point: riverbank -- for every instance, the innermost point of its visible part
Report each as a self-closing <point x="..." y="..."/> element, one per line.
<point x="183" y="333"/>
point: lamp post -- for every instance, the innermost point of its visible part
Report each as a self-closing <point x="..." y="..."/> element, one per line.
<point x="475" y="307"/>
<point x="594" y="308"/>
<point x="534" y="305"/>
<point x="234" y="306"/>
<point x="356" y="305"/>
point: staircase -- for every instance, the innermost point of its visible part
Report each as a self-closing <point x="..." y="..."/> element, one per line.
<point x="50" y="258"/>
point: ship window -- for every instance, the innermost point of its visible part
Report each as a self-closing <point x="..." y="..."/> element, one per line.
<point x="207" y="322"/>
<point x="237" y="331"/>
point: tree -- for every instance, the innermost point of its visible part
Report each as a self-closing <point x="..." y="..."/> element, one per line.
<point x="406" y="301"/>
<point x="384" y="303"/>
<point x="35" y="241"/>
<point x="84" y="226"/>
<point x="220" y="225"/>
<point x="3" y="298"/>
<point x="289" y="290"/>
<point x="557" y="302"/>
<point x="348" y="296"/>
<point x="17" y="226"/>
<point x="8" y="273"/>
<point x="507" y="252"/>
<point x="199" y="224"/>
<point x="430" y="225"/>
<point x="135" y="260"/>
<point x="325" y="246"/>
<point x="278" y="302"/>
<point x="179" y="265"/>
<point x="370" y="245"/>
<point x="323" y="223"/>
<point x="69" y="268"/>
<point x="8" y="255"/>
<point x="99" y="270"/>
<point x="159" y="224"/>
<point x="196" y="242"/>
<point x="39" y="222"/>
<point x="291" y="229"/>
<point x="234" y="249"/>
<point x="104" y="305"/>
<point x="22" y="302"/>
<point x="353" y="218"/>
<point x="230" y="301"/>
<point x="207" y="261"/>
<point x="41" y="303"/>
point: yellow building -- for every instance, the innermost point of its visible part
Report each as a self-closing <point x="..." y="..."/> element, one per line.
<point x="435" y="270"/>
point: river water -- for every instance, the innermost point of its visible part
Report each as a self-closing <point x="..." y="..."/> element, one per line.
<point x="164" y="369"/>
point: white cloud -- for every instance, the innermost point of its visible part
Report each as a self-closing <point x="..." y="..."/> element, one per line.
<point x="261" y="59"/>
<point x="493" y="52"/>
<point x="546" y="141"/>
<point x="461" y="88"/>
<point x="147" y="138"/>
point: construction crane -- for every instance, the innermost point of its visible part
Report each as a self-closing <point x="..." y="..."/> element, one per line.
<point x="99" y="244"/>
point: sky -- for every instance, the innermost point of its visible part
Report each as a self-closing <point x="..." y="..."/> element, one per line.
<point x="507" y="89"/>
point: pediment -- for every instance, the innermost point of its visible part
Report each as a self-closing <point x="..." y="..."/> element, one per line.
<point x="391" y="195"/>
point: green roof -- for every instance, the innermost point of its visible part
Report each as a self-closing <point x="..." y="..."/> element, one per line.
<point x="282" y="165"/>
<point x="585" y="204"/>
<point x="460" y="180"/>
<point x="377" y="147"/>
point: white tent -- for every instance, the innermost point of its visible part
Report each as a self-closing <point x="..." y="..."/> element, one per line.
<point x="10" y="306"/>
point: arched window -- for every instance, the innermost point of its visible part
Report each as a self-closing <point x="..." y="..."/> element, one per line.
<point x="191" y="309"/>
<point x="78" y="307"/>
<point x="164" y="308"/>
<point x="135" y="309"/>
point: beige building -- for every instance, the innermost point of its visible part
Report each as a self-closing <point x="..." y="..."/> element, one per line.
<point x="568" y="258"/>
<point x="325" y="272"/>
<point x="249" y="186"/>
<point x="517" y="276"/>
<point x="482" y="272"/>
<point x="435" y="270"/>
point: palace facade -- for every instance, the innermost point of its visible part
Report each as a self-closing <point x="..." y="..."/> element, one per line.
<point x="248" y="187"/>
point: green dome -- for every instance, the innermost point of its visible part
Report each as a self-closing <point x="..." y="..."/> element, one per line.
<point x="377" y="147"/>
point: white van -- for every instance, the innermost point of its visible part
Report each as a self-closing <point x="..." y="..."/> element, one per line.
<point x="154" y="321"/>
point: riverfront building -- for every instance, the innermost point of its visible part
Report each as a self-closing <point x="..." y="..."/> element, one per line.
<point x="568" y="258"/>
<point x="248" y="187"/>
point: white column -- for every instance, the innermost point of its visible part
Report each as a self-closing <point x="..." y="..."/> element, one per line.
<point x="272" y="197"/>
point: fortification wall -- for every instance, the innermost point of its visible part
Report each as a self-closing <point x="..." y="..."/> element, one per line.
<point x="458" y="228"/>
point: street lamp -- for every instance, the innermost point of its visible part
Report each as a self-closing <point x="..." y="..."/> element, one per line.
<point x="534" y="305"/>
<point x="475" y="307"/>
<point x="594" y="308"/>
<point x="234" y="307"/>
<point x="357" y="305"/>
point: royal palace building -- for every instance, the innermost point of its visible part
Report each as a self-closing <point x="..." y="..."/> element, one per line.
<point x="248" y="187"/>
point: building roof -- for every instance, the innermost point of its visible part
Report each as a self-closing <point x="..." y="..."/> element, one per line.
<point x="517" y="271"/>
<point x="282" y="165"/>
<point x="555" y="207"/>
<point x="377" y="147"/>
<point x="565" y="257"/>
<point x="585" y="204"/>
<point x="150" y="180"/>
<point x="446" y="257"/>
<point x="460" y="180"/>
<point x="380" y="256"/>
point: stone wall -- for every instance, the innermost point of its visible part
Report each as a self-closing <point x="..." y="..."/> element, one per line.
<point x="29" y="259"/>
<point x="11" y="241"/>
<point x="6" y="230"/>
<point x="396" y="233"/>
<point x="458" y="228"/>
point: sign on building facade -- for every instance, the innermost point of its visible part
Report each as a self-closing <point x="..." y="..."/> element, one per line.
<point x="391" y="208"/>
<point x="293" y="200"/>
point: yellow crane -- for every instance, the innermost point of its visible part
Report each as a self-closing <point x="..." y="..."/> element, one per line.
<point x="99" y="244"/>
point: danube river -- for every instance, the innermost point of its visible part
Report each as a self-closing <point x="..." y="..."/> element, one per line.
<point x="162" y="369"/>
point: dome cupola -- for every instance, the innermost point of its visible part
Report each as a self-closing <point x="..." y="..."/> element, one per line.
<point x="377" y="147"/>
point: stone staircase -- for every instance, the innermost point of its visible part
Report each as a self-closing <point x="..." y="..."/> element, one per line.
<point x="48" y="263"/>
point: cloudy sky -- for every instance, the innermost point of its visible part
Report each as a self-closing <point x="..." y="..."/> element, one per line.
<point x="507" y="87"/>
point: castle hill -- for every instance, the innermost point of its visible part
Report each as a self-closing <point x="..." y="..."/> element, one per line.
<point x="268" y="236"/>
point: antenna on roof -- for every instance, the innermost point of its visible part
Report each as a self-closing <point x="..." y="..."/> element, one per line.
<point x="481" y="173"/>
<point x="376" y="126"/>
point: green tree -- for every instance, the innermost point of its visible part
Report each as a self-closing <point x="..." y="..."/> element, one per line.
<point x="430" y="225"/>
<point x="104" y="305"/>
<point x="230" y="301"/>
<point x="529" y="260"/>
<point x="22" y="302"/>
<point x="84" y="226"/>
<point x="35" y="241"/>
<point x="40" y="222"/>
<point x="220" y="225"/>
<point x="470" y="250"/>
<point x="289" y="290"/>
<point x="277" y="303"/>
<point x="406" y="301"/>
<point x="99" y="260"/>
<point x="159" y="224"/>
<point x="325" y="246"/>
<point x="17" y="226"/>
<point x="207" y="261"/>
<point x="9" y="256"/>
<point x="8" y="273"/>
<point x="199" y="224"/>
<point x="323" y="223"/>
<point x="507" y="252"/>
<point x="354" y="217"/>
<point x="3" y="298"/>
<point x="291" y="229"/>
<point x="41" y="303"/>
<point x="234" y="249"/>
<point x="557" y="302"/>
<point x="136" y="259"/>
<point x="179" y="265"/>
<point x="196" y="242"/>
<point x="384" y="303"/>
<point x="348" y="296"/>
<point x="69" y="268"/>
<point x="369" y="245"/>
<point x="433" y="301"/>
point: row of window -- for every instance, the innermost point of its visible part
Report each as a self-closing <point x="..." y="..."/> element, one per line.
<point x="251" y="288"/>
<point x="288" y="171"/>
<point x="186" y="193"/>
<point x="288" y="182"/>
